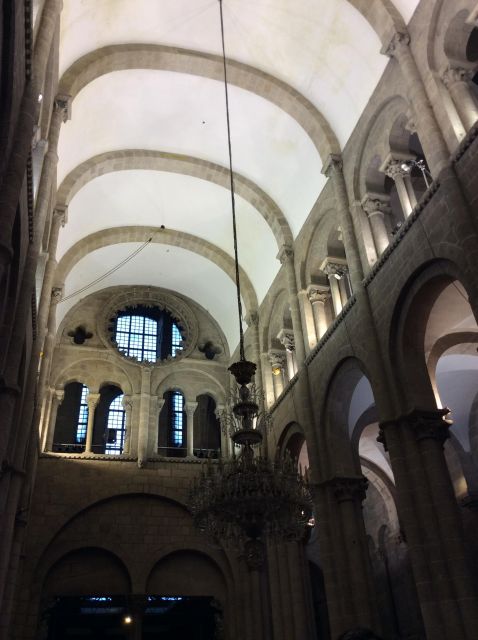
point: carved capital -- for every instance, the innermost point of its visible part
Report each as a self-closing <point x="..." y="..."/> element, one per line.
<point x="396" y="168"/>
<point x="58" y="396"/>
<point x="346" y="489"/>
<point x="62" y="104"/>
<point x="333" y="164"/>
<point x="335" y="267"/>
<point x="454" y="75"/>
<point x="127" y="403"/>
<point x="92" y="400"/>
<point x="190" y="408"/>
<point x="277" y="358"/>
<point x="61" y="213"/>
<point x="252" y="319"/>
<point x="373" y="205"/>
<point x="398" y="42"/>
<point x="426" y="425"/>
<point x="286" y="338"/>
<point x="286" y="254"/>
<point x="318" y="293"/>
<point x="56" y="294"/>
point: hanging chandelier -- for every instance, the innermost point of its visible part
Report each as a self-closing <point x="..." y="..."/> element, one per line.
<point x="248" y="497"/>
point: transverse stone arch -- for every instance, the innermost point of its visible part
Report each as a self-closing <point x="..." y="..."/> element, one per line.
<point x="119" y="235"/>
<point x="141" y="159"/>
<point x="383" y="17"/>
<point x="93" y="372"/>
<point x="163" y="58"/>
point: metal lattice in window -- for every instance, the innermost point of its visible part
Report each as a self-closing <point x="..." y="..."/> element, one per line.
<point x="82" y="416"/>
<point x="141" y="337"/>
<point x="115" y="428"/>
<point x="176" y="340"/>
<point x="177" y="418"/>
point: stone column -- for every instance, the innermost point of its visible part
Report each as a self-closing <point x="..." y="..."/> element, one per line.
<point x="432" y="523"/>
<point x="346" y="564"/>
<point x="457" y="81"/>
<point x="60" y="114"/>
<point x="56" y="400"/>
<point x="190" y="408"/>
<point x="286" y="338"/>
<point x="128" y="410"/>
<point x="286" y="257"/>
<point x="277" y="358"/>
<point x="376" y="207"/>
<point x="399" y="170"/>
<point x="308" y="323"/>
<point x="318" y="296"/>
<point x="59" y="219"/>
<point x="333" y="169"/>
<point x="28" y="113"/>
<point x="144" y="408"/>
<point x="49" y="342"/>
<point x="93" y="399"/>
<point x="431" y="138"/>
<point x="336" y="269"/>
<point x="155" y="409"/>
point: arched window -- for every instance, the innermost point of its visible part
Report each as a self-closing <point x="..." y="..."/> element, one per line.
<point x="172" y="426"/>
<point x="72" y="420"/>
<point x="147" y="334"/>
<point x="115" y="427"/>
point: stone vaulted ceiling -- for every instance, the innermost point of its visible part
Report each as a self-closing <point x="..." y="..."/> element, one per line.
<point x="146" y="143"/>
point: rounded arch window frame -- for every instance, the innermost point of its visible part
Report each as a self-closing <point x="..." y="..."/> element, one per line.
<point x="180" y="312"/>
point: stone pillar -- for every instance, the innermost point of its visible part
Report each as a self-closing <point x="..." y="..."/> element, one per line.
<point x="49" y="342"/>
<point x="286" y="338"/>
<point x="190" y="408"/>
<point x="431" y="138"/>
<point x="376" y="207"/>
<point x="457" y="81"/>
<point x="336" y="269"/>
<point x="93" y="399"/>
<point x="318" y="296"/>
<point x="286" y="257"/>
<point x="333" y="169"/>
<point x="155" y="409"/>
<point x="399" y="170"/>
<point x="432" y="523"/>
<point x="144" y="408"/>
<point x="277" y="358"/>
<point x="346" y="564"/>
<point x="59" y="219"/>
<point x="128" y="410"/>
<point x="60" y="114"/>
<point x="308" y="324"/>
<point x="56" y="400"/>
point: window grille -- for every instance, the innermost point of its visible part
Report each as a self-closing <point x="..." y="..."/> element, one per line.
<point x="177" y="419"/>
<point x="115" y="428"/>
<point x="140" y="337"/>
<point x="82" y="416"/>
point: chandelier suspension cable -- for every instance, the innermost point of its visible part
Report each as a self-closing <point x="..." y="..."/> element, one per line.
<point x="233" y="199"/>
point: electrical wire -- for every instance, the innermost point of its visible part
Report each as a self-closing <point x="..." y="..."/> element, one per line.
<point x="108" y="273"/>
<point x="233" y="199"/>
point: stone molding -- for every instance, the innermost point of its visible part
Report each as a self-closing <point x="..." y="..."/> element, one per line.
<point x="344" y="488"/>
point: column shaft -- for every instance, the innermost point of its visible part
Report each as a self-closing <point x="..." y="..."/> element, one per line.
<point x="144" y="408"/>
<point x="93" y="399"/>
<point x="286" y="257"/>
<point x="190" y="408"/>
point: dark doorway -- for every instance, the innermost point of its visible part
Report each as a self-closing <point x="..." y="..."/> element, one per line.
<point x="131" y="617"/>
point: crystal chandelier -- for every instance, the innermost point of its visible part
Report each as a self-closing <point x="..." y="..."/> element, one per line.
<point x="248" y="497"/>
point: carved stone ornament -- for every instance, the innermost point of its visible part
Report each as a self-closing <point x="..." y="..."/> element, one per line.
<point x="287" y="340"/>
<point x="348" y="488"/>
<point x="150" y="297"/>
<point x="318" y="293"/>
<point x="373" y="205"/>
<point x="277" y="358"/>
<point x="425" y="425"/>
<point x="454" y="75"/>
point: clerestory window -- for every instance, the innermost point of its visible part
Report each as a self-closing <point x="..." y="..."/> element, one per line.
<point x="82" y="416"/>
<point x="148" y="334"/>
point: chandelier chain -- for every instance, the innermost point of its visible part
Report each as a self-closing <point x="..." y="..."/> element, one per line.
<point x="233" y="199"/>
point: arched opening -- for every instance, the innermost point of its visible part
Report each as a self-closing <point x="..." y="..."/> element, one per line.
<point x="172" y="425"/>
<point x="206" y="428"/>
<point x="109" y="427"/>
<point x="72" y="420"/>
<point x="85" y="593"/>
